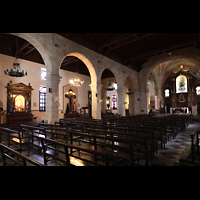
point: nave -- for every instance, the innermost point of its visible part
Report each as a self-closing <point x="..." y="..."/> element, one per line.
<point x="121" y="141"/>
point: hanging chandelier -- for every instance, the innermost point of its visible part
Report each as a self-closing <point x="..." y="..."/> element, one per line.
<point x="129" y="91"/>
<point x="15" y="70"/>
<point x="76" y="81"/>
<point x="109" y="88"/>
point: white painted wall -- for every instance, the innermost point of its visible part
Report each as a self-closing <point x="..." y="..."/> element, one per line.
<point x="34" y="78"/>
<point x="82" y="90"/>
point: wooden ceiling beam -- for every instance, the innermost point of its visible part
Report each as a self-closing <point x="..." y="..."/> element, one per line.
<point x="164" y="49"/>
<point x="116" y="40"/>
<point x="69" y="61"/>
<point x="26" y="44"/>
<point x="130" y="41"/>
<point x="28" y="52"/>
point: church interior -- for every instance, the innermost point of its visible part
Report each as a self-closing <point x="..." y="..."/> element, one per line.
<point x="99" y="99"/>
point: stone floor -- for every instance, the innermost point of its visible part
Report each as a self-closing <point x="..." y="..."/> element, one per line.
<point x="170" y="155"/>
<point x="167" y="156"/>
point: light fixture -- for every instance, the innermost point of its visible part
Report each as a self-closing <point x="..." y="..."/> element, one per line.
<point x="76" y="81"/>
<point x="129" y="91"/>
<point x="15" y="70"/>
<point x="109" y="88"/>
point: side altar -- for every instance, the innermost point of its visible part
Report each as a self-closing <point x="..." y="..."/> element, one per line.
<point x="19" y="103"/>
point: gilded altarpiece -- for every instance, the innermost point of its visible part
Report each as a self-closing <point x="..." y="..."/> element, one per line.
<point x="19" y="103"/>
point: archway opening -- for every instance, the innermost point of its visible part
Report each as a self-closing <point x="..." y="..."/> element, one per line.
<point x="109" y="95"/>
<point x="174" y="84"/>
<point x="73" y="65"/>
<point x="25" y="51"/>
<point x="30" y="60"/>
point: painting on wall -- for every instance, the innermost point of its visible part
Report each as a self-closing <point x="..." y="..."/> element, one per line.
<point x="181" y="84"/>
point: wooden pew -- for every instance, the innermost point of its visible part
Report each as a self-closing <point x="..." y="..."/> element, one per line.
<point x="63" y="149"/>
<point x="15" y="138"/>
<point x="123" y="150"/>
<point x="159" y="132"/>
<point x="146" y="151"/>
<point x="58" y="132"/>
<point x="34" y="130"/>
<point x="146" y="143"/>
<point x="7" y="154"/>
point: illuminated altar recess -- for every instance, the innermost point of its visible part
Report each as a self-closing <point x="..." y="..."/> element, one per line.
<point x="19" y="103"/>
<point x="181" y="84"/>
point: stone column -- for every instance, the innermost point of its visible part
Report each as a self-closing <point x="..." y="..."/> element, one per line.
<point x="52" y="97"/>
<point x="159" y="98"/>
<point x="143" y="102"/>
<point x="98" y="99"/>
<point x="94" y="100"/>
<point x="121" y="100"/>
<point x="143" y="97"/>
<point x="137" y="102"/>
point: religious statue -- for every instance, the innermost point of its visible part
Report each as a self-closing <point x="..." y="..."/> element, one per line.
<point x="70" y="95"/>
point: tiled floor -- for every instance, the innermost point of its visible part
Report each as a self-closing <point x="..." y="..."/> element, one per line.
<point x="167" y="156"/>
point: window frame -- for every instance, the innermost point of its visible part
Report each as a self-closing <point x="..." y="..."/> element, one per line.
<point x="42" y="98"/>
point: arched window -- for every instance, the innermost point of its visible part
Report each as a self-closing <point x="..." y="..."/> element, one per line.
<point x="181" y="84"/>
<point x="114" y="102"/>
<point x="167" y="93"/>
<point x="42" y="98"/>
<point x="43" y="74"/>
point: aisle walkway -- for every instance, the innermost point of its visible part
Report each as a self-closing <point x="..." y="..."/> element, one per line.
<point x="170" y="154"/>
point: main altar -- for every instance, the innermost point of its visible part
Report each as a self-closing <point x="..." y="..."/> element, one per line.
<point x="179" y="110"/>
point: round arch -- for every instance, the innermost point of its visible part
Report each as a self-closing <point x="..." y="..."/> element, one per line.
<point x="38" y="45"/>
<point x="182" y="55"/>
<point x="108" y="77"/>
<point x="191" y="56"/>
<point x="93" y="77"/>
<point x="38" y="40"/>
<point x="87" y="63"/>
<point x="115" y="73"/>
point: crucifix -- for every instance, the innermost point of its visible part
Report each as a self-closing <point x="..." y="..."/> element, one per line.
<point x="70" y="95"/>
